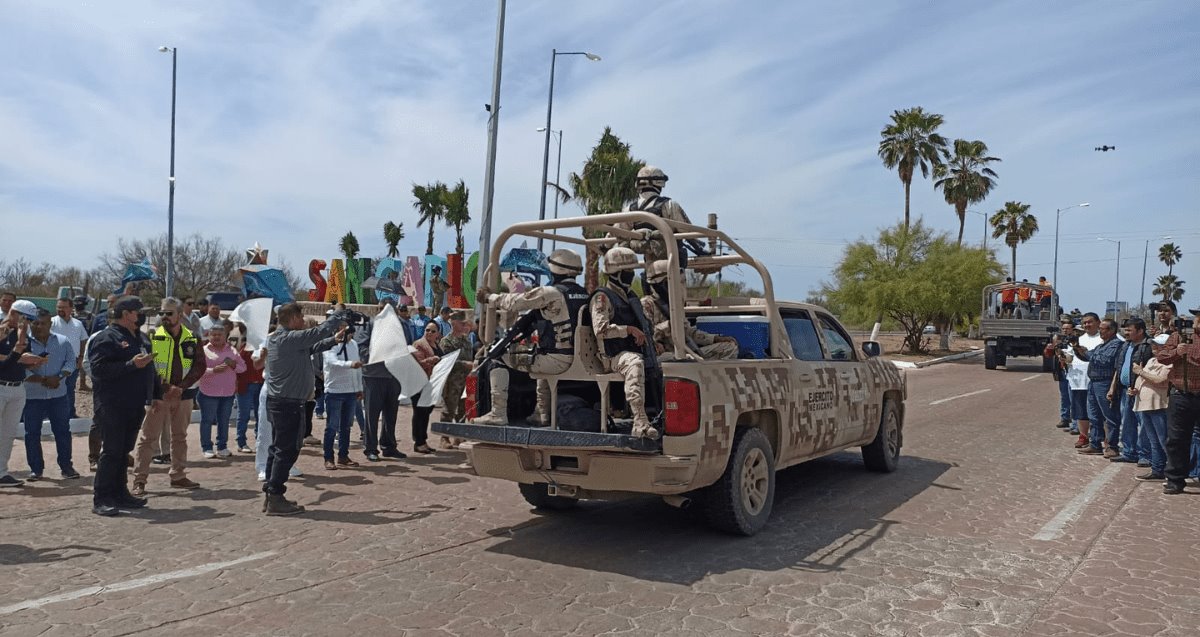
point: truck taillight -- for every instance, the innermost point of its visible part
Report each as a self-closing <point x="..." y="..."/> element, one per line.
<point x="682" y="399"/>
<point x="469" y="404"/>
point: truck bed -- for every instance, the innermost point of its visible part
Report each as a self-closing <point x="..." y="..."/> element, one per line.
<point x="1023" y="328"/>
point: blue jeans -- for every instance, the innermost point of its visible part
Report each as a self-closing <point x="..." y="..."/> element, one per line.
<point x="1154" y="424"/>
<point x="319" y="409"/>
<point x="1064" y="398"/>
<point x="71" y="380"/>
<point x="360" y="416"/>
<point x="1129" y="426"/>
<point x="247" y="404"/>
<point x="1195" y="472"/>
<point x="58" y="411"/>
<point x="339" y="412"/>
<point x="214" y="410"/>
<point x="1100" y="414"/>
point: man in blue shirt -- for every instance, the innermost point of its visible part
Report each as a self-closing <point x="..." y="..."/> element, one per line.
<point x="1135" y="350"/>
<point x="1102" y="364"/>
<point x="46" y="397"/>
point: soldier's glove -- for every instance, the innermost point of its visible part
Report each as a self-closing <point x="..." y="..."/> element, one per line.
<point x="482" y="295"/>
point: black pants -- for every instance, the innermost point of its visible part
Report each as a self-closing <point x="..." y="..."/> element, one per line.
<point x="382" y="397"/>
<point x="1183" y="413"/>
<point x="118" y="434"/>
<point x="287" y="421"/>
<point x="420" y="421"/>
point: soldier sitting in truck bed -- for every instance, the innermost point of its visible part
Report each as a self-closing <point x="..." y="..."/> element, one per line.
<point x="657" y="309"/>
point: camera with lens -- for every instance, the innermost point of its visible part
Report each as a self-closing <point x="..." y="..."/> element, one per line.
<point x="353" y="319"/>
<point x="1186" y="328"/>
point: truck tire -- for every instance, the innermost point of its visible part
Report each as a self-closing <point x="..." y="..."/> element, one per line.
<point x="536" y="495"/>
<point x="1002" y="360"/>
<point x="883" y="453"/>
<point x="989" y="357"/>
<point x="740" y="502"/>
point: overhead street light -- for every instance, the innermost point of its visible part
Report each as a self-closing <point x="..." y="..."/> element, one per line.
<point x="1117" y="292"/>
<point x="557" y="179"/>
<point x="985" y="225"/>
<point x="1054" y="307"/>
<point x="1145" y="260"/>
<point x="170" y="279"/>
<point x="554" y="53"/>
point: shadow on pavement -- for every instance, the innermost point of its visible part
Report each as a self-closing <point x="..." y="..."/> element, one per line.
<point x="155" y="515"/>
<point x="13" y="554"/>
<point x="371" y="518"/>
<point x="826" y="512"/>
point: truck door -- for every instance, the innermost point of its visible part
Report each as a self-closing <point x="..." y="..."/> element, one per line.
<point x="848" y="379"/>
<point x="814" y="427"/>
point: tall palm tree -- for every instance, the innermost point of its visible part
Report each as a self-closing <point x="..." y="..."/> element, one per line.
<point x="393" y="234"/>
<point x="456" y="211"/>
<point x="911" y="141"/>
<point x="1016" y="225"/>
<point x="605" y="184"/>
<point x="349" y="245"/>
<point x="1170" y="254"/>
<point x="965" y="179"/>
<point x="430" y="205"/>
<point x="1169" y="287"/>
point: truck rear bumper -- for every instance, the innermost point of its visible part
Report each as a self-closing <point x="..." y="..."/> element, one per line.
<point x="544" y="437"/>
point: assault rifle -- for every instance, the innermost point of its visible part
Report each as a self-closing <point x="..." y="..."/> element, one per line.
<point x="522" y="328"/>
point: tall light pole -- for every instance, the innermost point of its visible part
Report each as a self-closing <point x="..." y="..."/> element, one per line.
<point x="1145" y="260"/>
<point x="557" y="181"/>
<point x="554" y="53"/>
<point x="1117" y="292"/>
<point x="489" y="170"/>
<point x="1054" y="282"/>
<point x="171" y="196"/>
<point x="985" y="227"/>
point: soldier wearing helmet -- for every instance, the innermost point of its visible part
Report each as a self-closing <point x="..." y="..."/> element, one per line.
<point x="558" y="307"/>
<point x="620" y="327"/>
<point x="649" y="185"/>
<point x="657" y="308"/>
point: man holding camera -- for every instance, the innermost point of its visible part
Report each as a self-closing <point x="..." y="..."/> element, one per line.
<point x="1183" y="354"/>
<point x="1059" y="348"/>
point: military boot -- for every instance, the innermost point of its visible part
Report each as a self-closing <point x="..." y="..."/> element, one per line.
<point x="644" y="430"/>
<point x="499" y="413"/>
<point x="276" y="504"/>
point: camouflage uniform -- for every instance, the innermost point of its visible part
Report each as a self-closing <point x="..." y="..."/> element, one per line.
<point x="631" y="365"/>
<point x="452" y="395"/>
<point x="653" y="247"/>
<point x="439" y="286"/>
<point x="703" y="343"/>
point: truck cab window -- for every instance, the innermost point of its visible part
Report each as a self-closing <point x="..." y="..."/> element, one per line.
<point x="840" y="348"/>
<point x="803" y="335"/>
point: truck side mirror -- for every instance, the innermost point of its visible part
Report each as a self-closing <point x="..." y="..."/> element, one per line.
<point x="872" y="348"/>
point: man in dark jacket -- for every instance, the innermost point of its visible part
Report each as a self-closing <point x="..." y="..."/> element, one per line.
<point x="1102" y="364"/>
<point x="381" y="392"/>
<point x="125" y="382"/>
<point x="1134" y="351"/>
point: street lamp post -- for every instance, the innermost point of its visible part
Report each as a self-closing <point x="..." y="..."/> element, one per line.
<point x="1117" y="291"/>
<point x="985" y="227"/>
<point x="489" y="169"/>
<point x="1054" y="307"/>
<point x="554" y="53"/>
<point x="171" y="196"/>
<point x="1145" y="260"/>
<point x="557" y="181"/>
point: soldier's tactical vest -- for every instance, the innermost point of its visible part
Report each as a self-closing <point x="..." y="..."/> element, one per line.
<point x="559" y="338"/>
<point x="654" y="205"/>
<point x="164" y="350"/>
<point x="623" y="314"/>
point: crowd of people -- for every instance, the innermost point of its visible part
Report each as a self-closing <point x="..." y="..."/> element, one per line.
<point x="1022" y="300"/>
<point x="1130" y="392"/>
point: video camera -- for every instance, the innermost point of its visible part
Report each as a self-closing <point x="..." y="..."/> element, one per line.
<point x="1072" y="339"/>
<point x="352" y="319"/>
<point x="1186" y="328"/>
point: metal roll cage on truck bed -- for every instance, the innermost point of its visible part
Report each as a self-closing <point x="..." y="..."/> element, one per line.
<point x="798" y="390"/>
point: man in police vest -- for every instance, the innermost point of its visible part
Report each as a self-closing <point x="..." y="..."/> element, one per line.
<point x="620" y="327"/>
<point x="657" y="308"/>
<point x="557" y="306"/>
<point x="179" y="362"/>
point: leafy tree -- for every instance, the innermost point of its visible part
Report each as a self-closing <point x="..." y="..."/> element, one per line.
<point x="349" y="245"/>
<point x="1170" y="254"/>
<point x="911" y="141"/>
<point x="1016" y="225"/>
<point x="1169" y="287"/>
<point x="393" y="234"/>
<point x="966" y="178"/>
<point x="429" y="203"/>
<point x="456" y="211"/>
<point x="913" y="276"/>
<point x="605" y="184"/>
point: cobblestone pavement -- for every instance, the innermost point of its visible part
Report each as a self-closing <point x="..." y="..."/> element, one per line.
<point x="942" y="547"/>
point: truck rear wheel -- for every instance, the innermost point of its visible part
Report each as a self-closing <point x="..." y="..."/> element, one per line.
<point x="989" y="357"/>
<point x="537" y="495"/>
<point x="883" y="454"/>
<point x="740" y="502"/>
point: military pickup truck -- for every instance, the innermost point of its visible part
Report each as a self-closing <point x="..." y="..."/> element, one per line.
<point x="799" y="390"/>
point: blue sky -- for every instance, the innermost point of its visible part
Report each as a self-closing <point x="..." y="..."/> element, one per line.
<point x="298" y="121"/>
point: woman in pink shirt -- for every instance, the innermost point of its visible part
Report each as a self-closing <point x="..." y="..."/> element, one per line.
<point x="218" y="387"/>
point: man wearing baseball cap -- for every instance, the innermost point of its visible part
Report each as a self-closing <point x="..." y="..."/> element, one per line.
<point x="15" y="358"/>
<point x="1183" y="410"/>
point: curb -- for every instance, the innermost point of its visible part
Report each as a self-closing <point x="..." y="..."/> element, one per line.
<point x="952" y="357"/>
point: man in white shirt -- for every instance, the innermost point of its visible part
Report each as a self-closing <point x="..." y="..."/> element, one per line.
<point x="1077" y="376"/>
<point x="343" y="387"/>
<point x="66" y="325"/>
<point x="208" y="320"/>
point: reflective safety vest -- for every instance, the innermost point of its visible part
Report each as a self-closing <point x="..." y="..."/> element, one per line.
<point x="163" y="347"/>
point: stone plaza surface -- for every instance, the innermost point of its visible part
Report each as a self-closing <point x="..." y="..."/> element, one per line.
<point x="944" y="546"/>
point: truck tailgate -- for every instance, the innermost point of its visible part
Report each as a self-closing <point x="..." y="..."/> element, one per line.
<point x="545" y="437"/>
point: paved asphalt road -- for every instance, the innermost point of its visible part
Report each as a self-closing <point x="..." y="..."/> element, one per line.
<point x="945" y="546"/>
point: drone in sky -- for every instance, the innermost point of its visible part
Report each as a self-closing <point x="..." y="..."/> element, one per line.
<point x="1105" y="148"/>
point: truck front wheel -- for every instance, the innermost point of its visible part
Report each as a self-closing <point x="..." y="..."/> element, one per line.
<point x="537" y="495"/>
<point x="989" y="357"/>
<point x="740" y="502"/>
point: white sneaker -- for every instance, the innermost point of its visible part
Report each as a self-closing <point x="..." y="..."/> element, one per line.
<point x="223" y="453"/>
<point x="262" y="476"/>
<point x="210" y="455"/>
<point x="295" y="473"/>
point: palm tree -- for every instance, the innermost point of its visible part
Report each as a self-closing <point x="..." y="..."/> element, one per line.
<point x="1016" y="225"/>
<point x="430" y="205"/>
<point x="393" y="234"/>
<point x="1170" y="254"/>
<point x="605" y="184"/>
<point x="349" y="245"/>
<point x="1169" y="287"/>
<point x="909" y="142"/>
<point x="455" y="210"/>
<point x="966" y="178"/>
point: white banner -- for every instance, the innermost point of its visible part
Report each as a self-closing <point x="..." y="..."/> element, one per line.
<point x="255" y="314"/>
